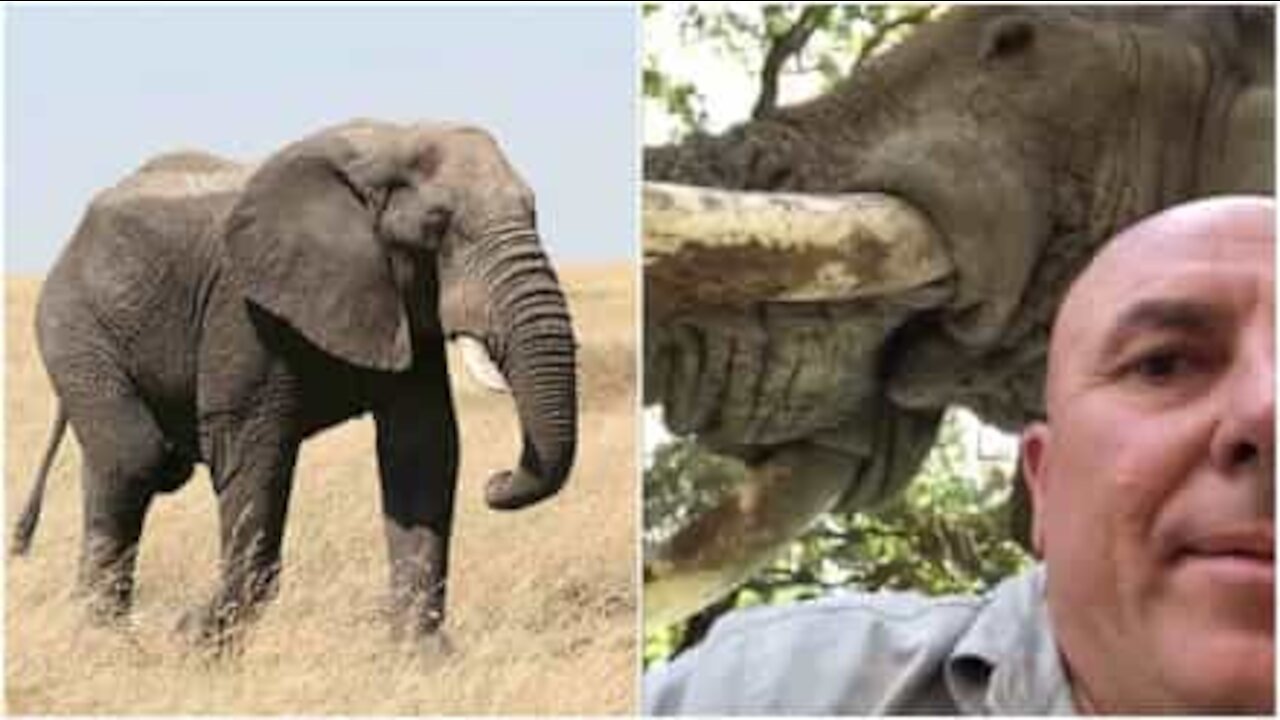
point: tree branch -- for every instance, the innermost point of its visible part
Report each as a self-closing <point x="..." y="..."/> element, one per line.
<point x="881" y="34"/>
<point x="780" y="50"/>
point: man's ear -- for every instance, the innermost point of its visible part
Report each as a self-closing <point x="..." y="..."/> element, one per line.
<point x="1035" y="461"/>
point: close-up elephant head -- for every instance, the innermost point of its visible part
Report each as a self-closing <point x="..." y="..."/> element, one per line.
<point x="790" y="324"/>
<point x="379" y="233"/>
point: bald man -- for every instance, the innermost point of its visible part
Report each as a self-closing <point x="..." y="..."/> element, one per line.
<point x="1152" y="484"/>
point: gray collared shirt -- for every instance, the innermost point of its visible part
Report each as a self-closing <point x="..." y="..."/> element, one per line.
<point x="874" y="653"/>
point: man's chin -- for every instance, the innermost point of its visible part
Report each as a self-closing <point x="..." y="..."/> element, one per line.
<point x="1224" y="599"/>
<point x="1230" y="672"/>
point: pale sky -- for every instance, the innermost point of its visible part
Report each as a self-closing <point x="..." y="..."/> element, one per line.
<point x="727" y="89"/>
<point x="91" y="92"/>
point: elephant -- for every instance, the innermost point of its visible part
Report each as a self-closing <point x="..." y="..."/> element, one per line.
<point x="215" y="313"/>
<point x="783" y="329"/>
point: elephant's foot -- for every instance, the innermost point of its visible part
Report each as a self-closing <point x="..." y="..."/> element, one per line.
<point x="106" y="612"/>
<point x="416" y="619"/>
<point x="418" y="624"/>
<point x="107" y="598"/>
<point x="434" y="644"/>
<point x="220" y="625"/>
<point x="211" y="630"/>
<point x="412" y="625"/>
<point x="411" y="635"/>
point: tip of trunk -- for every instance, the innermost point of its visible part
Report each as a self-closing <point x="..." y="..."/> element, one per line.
<point x="512" y="490"/>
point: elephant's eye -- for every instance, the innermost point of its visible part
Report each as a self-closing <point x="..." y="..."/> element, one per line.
<point x="415" y="218"/>
<point x="435" y="220"/>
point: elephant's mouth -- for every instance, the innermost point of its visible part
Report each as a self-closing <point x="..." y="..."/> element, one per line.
<point x="709" y="252"/>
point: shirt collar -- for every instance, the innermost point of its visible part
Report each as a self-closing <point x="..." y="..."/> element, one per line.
<point x="1007" y="661"/>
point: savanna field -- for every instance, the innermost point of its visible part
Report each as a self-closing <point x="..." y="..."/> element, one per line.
<point x="542" y="605"/>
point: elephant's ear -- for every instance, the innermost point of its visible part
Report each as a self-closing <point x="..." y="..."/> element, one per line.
<point x="302" y="246"/>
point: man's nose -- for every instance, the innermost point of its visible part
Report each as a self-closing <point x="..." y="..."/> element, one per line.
<point x="1243" y="445"/>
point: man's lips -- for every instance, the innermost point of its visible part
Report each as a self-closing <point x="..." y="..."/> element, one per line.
<point x="1231" y="557"/>
<point x="1254" y="542"/>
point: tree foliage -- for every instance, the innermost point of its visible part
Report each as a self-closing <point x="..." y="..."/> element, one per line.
<point x="775" y="44"/>
<point x="949" y="532"/>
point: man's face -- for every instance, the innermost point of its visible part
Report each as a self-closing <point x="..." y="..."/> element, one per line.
<point x="1153" y="479"/>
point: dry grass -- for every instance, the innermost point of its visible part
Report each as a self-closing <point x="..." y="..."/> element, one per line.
<point x="541" y="608"/>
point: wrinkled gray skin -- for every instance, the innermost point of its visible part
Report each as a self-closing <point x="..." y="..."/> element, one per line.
<point x="1029" y="136"/>
<point x="209" y="313"/>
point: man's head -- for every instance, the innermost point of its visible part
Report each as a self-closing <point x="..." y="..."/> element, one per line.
<point x="1152" y="479"/>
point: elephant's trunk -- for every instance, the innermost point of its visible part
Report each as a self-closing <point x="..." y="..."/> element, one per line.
<point x="531" y="338"/>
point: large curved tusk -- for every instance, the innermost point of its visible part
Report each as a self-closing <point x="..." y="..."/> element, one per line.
<point x="724" y="546"/>
<point x="707" y="248"/>
<point x="480" y="365"/>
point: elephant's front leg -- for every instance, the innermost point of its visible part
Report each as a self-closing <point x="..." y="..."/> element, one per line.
<point x="418" y="466"/>
<point x="252" y="466"/>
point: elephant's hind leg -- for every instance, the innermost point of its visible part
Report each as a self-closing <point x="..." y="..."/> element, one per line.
<point x="252" y="466"/>
<point x="112" y="528"/>
<point x="126" y="462"/>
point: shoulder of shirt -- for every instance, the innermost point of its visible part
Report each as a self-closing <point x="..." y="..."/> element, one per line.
<point x="849" y="611"/>
<point x="752" y="656"/>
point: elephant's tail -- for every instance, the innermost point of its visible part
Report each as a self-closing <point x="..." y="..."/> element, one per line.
<point x="26" y="526"/>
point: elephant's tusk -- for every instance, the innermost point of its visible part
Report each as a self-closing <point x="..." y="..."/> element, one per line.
<point x="480" y="364"/>
<point x="718" y="550"/>
<point x="707" y="248"/>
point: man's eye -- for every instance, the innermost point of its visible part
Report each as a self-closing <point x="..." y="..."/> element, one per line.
<point x="1159" y="366"/>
